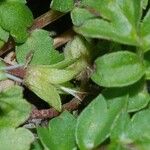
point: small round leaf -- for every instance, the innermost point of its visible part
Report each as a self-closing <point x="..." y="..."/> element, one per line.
<point x="118" y="69"/>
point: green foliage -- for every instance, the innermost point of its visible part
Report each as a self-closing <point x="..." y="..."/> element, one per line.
<point x="77" y="48"/>
<point x="4" y="35"/>
<point x="1" y="44"/>
<point x="41" y="45"/>
<point x="139" y="130"/>
<point x="80" y="15"/>
<point x="116" y="23"/>
<point x="144" y="31"/>
<point x="144" y="3"/>
<point x="120" y="21"/>
<point x="36" y="146"/>
<point x="2" y="71"/>
<point x="134" y="131"/>
<point x="115" y="37"/>
<point x="18" y="139"/>
<point x="53" y="76"/>
<point x="111" y="69"/>
<point x="95" y="122"/>
<point x="44" y="81"/>
<point x="138" y="97"/>
<point x="60" y="133"/>
<point x="147" y="64"/>
<point x="119" y="137"/>
<point x="14" y="109"/>
<point x="43" y="88"/>
<point x="18" y="24"/>
<point x="61" y="5"/>
<point x="20" y="1"/>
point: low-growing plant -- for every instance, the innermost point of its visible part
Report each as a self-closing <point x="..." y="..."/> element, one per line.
<point x="109" y="58"/>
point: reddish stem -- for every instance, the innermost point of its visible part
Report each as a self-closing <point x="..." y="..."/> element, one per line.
<point x="7" y="47"/>
<point x="19" y="72"/>
<point x="46" y="19"/>
<point x="50" y="113"/>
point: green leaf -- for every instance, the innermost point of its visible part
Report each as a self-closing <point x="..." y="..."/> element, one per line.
<point x="50" y="75"/>
<point x="144" y="3"/>
<point x="147" y="65"/>
<point x="95" y="122"/>
<point x="62" y="6"/>
<point x="14" y="109"/>
<point x="138" y="95"/>
<point x="2" y="71"/>
<point x="145" y="32"/>
<point x="90" y="124"/>
<point x="61" y="65"/>
<point x="19" y="1"/>
<point x="118" y="69"/>
<point x="36" y="145"/>
<point x="77" y="48"/>
<point x="60" y="133"/>
<point x="4" y="35"/>
<point x="43" y="134"/>
<point x="133" y="132"/>
<point x="139" y="129"/>
<point x="129" y="9"/>
<point x="132" y="10"/>
<point x="119" y="138"/>
<point x="96" y="28"/>
<point x="37" y="82"/>
<point x="41" y="44"/>
<point x="1" y="44"/>
<point x="80" y="15"/>
<point x="117" y="23"/>
<point x="44" y="80"/>
<point x="18" y="139"/>
<point x="18" y="24"/>
<point x="118" y="133"/>
<point x="123" y="133"/>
